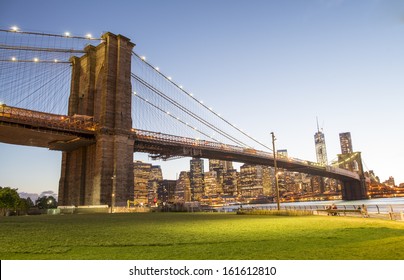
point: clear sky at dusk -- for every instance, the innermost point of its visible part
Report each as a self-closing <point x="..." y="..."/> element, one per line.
<point x="264" y="65"/>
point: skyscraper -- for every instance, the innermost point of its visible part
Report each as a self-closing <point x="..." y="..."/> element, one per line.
<point x="146" y="179"/>
<point x="346" y="150"/>
<point x="183" y="189"/>
<point x="141" y="173"/>
<point x="212" y="186"/>
<point x="321" y="150"/>
<point x="254" y="180"/>
<point x="155" y="177"/>
<point x="230" y="182"/>
<point x="196" y="175"/>
<point x="346" y="143"/>
<point x="221" y="167"/>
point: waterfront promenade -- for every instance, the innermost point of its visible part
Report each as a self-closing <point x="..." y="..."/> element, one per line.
<point x="381" y="208"/>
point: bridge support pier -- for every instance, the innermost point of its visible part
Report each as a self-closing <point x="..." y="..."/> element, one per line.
<point x="354" y="190"/>
<point x="101" y="173"/>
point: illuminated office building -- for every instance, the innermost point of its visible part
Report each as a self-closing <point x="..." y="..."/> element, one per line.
<point x="183" y="188"/>
<point x="346" y="143"/>
<point x="346" y="152"/>
<point x="254" y="180"/>
<point x="196" y="177"/>
<point x="141" y="172"/>
<point x="321" y="150"/>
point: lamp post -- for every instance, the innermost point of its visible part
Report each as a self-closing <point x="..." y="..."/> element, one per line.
<point x="113" y="178"/>
<point x="276" y="171"/>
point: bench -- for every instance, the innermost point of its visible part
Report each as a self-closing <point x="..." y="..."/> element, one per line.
<point x="336" y="212"/>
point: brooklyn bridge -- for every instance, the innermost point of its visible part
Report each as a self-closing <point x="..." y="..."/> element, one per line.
<point x="101" y="102"/>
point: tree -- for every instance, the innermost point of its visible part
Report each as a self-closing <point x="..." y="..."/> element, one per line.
<point x="24" y="204"/>
<point x="9" y="199"/>
<point x="46" y="202"/>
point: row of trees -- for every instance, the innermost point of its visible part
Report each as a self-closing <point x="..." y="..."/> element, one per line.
<point x="11" y="201"/>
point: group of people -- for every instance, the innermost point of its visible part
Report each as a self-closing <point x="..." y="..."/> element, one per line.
<point x="330" y="208"/>
<point x="363" y="210"/>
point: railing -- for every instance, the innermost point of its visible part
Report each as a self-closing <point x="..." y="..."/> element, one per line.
<point x="385" y="211"/>
<point x="86" y="124"/>
<point x="77" y="123"/>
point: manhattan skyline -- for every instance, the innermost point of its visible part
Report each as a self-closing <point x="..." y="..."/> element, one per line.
<point x="264" y="65"/>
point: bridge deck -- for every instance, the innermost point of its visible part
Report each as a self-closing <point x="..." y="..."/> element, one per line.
<point x="58" y="132"/>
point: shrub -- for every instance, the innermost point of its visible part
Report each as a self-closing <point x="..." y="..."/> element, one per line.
<point x="276" y="212"/>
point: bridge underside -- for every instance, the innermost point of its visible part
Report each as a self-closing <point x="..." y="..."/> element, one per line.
<point x="172" y="150"/>
<point x="354" y="190"/>
<point x="26" y="135"/>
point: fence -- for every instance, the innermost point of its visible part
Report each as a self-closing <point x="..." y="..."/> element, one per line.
<point x="384" y="211"/>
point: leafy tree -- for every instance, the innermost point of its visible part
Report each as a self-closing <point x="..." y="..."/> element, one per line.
<point x="46" y="202"/>
<point x="9" y="199"/>
<point x="25" y="203"/>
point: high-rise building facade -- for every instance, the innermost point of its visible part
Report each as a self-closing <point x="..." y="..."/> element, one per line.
<point x="166" y="191"/>
<point x="215" y="164"/>
<point x="183" y="188"/>
<point x="212" y="186"/>
<point x="345" y="158"/>
<point x="321" y="150"/>
<point x="255" y="180"/>
<point x="155" y="177"/>
<point x="141" y="172"/>
<point x="146" y="178"/>
<point x="196" y="177"/>
<point x="230" y="180"/>
<point x="346" y="143"/>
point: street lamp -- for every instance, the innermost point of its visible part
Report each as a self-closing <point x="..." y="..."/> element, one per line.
<point x="276" y="171"/>
<point x="113" y="178"/>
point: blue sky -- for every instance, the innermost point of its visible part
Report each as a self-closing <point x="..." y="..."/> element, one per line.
<point x="265" y="65"/>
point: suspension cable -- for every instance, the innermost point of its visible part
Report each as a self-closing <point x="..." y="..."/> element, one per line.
<point x="187" y="111"/>
<point x="206" y="107"/>
<point x="49" y="34"/>
<point x="174" y="117"/>
<point x="27" y="48"/>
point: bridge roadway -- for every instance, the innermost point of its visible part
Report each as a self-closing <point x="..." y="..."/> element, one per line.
<point x="58" y="132"/>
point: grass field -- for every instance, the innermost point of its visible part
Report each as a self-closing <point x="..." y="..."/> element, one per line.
<point x="195" y="236"/>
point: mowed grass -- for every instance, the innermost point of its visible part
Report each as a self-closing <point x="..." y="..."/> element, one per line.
<point x="193" y="236"/>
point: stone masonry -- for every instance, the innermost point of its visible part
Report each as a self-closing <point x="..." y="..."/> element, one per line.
<point x="101" y="173"/>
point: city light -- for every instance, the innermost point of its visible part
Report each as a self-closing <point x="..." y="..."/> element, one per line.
<point x="13" y="58"/>
<point x="14" y="28"/>
<point x="67" y="34"/>
<point x="89" y="36"/>
<point x="36" y="59"/>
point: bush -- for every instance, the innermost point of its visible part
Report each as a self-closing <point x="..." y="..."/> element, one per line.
<point x="275" y="212"/>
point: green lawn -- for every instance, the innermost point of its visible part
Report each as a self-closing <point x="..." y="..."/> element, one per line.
<point x="189" y="236"/>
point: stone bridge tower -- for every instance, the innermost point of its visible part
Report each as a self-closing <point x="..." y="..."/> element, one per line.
<point x="353" y="190"/>
<point x="101" y="173"/>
